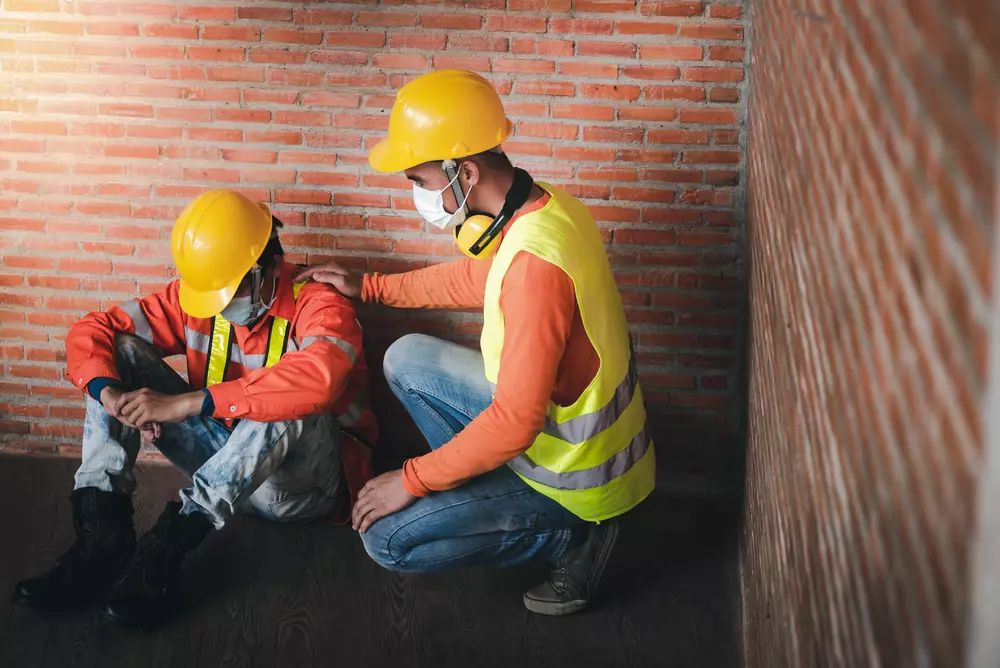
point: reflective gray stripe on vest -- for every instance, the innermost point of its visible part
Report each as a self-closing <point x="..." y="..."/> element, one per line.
<point x="596" y="476"/>
<point x="583" y="427"/>
<point x="142" y="328"/>
<point x="340" y="343"/>
<point x="201" y="342"/>
<point x="195" y="340"/>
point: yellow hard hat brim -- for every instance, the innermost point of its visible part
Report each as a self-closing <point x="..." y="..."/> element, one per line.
<point x="387" y="158"/>
<point x="206" y="304"/>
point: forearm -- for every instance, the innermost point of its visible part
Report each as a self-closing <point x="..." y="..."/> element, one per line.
<point x="452" y="285"/>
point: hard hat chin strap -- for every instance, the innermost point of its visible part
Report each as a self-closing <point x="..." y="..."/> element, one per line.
<point x="256" y="303"/>
<point x="450" y="168"/>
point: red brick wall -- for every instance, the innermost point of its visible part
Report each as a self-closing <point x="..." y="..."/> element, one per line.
<point x="114" y="114"/>
<point x="872" y="160"/>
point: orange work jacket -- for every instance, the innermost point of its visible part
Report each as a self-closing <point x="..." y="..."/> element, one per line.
<point x="303" y="357"/>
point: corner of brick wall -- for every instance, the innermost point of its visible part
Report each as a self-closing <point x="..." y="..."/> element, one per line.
<point x="114" y="114"/>
<point x="872" y="166"/>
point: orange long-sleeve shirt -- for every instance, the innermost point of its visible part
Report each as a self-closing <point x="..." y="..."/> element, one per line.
<point x="546" y="356"/>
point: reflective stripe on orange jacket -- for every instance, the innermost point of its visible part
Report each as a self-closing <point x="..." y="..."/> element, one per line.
<point x="322" y="370"/>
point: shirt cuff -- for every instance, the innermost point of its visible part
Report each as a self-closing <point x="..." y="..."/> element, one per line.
<point x="97" y="385"/>
<point x="369" y="288"/>
<point x="208" y="405"/>
<point x="230" y="400"/>
<point x="411" y="482"/>
<point x="82" y="374"/>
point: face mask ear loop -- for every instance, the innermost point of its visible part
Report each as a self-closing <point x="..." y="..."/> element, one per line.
<point x="450" y="168"/>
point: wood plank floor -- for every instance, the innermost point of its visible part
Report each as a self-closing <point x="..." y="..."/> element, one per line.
<point x="262" y="594"/>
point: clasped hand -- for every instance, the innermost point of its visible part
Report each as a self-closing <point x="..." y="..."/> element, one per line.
<point x="147" y="409"/>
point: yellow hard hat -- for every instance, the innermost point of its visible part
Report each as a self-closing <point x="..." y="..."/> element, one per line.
<point x="441" y="115"/>
<point x="216" y="240"/>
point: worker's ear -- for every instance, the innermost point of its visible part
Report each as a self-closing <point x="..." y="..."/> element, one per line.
<point x="469" y="173"/>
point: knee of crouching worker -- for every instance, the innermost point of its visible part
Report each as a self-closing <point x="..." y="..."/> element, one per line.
<point x="402" y="354"/>
<point x="376" y="542"/>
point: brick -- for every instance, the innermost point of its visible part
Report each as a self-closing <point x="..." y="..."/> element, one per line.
<point x="170" y="30"/>
<point x="645" y="28"/>
<point x="608" y="174"/>
<point x="581" y="26"/>
<point x="400" y="61"/>
<point x="216" y="53"/>
<point x="208" y="12"/>
<point x="213" y="134"/>
<point x="514" y="147"/>
<point x="612" y="134"/>
<point x="250" y="155"/>
<point x="708" y="116"/>
<point x="303" y="118"/>
<point x="265" y="13"/>
<point x="278" y="56"/>
<point x="539" y="5"/>
<point x="328" y="179"/>
<point x="547" y="130"/>
<point x="323" y="17"/>
<point x="717" y="157"/>
<point x="583" y="111"/>
<point x="589" y="70"/>
<point x="235" y="73"/>
<point x="671" y="8"/>
<point x="473" y="64"/>
<point x="671" y="52"/>
<point x="705" y="239"/>
<point x="113" y="29"/>
<point x="302" y="197"/>
<point x="422" y="41"/>
<point x="361" y="199"/>
<point x="611" y="92"/>
<point x="476" y="43"/>
<point x="662" y="93"/>
<point x="342" y="221"/>
<point x="646" y="155"/>
<point x="714" y="74"/>
<point x="554" y="88"/>
<point x="385" y="19"/>
<point x="451" y="21"/>
<point x="242" y="115"/>
<point x="209" y="174"/>
<point x="524" y="66"/>
<point x="727" y="53"/>
<point x="725" y="95"/>
<point x="231" y="33"/>
<point x="509" y="23"/>
<point x="293" y="36"/>
<point x="159" y="52"/>
<point x="367" y="39"/>
<point x="652" y="73"/>
<point x="178" y="73"/>
<point x="604" y="6"/>
<point x="711" y="31"/>
<point x="38" y="127"/>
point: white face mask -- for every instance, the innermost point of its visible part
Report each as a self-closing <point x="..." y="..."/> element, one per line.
<point x="244" y="311"/>
<point x="430" y="206"/>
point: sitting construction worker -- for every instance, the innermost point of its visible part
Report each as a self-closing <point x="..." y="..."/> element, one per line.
<point x="538" y="441"/>
<point x="277" y="380"/>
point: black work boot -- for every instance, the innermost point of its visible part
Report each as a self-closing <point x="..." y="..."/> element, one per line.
<point x="105" y="541"/>
<point x="148" y="593"/>
<point x="574" y="577"/>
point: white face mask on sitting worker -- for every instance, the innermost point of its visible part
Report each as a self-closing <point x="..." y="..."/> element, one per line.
<point x="244" y="311"/>
<point x="430" y="206"/>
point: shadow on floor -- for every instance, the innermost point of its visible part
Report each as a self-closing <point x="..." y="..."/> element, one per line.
<point x="262" y="594"/>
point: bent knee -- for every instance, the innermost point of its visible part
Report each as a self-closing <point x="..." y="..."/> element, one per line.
<point x="376" y="542"/>
<point x="405" y="353"/>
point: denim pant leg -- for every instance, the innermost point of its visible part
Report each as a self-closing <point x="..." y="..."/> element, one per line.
<point x="110" y="448"/>
<point x="231" y="479"/>
<point x="495" y="519"/>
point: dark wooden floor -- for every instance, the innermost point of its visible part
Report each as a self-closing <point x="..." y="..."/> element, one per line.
<point x="261" y="594"/>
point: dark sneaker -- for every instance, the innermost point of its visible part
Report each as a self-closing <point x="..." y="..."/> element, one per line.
<point x="575" y="577"/>
<point x="148" y="593"/>
<point x="105" y="542"/>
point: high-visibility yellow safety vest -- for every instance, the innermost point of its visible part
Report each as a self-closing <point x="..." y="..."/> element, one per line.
<point x="218" y="349"/>
<point x="595" y="457"/>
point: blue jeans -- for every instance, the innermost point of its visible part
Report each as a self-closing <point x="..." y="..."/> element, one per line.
<point x="495" y="519"/>
<point x="280" y="470"/>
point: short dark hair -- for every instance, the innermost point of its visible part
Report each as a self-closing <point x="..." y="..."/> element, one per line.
<point x="494" y="158"/>
<point x="273" y="251"/>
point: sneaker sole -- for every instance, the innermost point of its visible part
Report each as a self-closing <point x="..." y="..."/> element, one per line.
<point x="554" y="609"/>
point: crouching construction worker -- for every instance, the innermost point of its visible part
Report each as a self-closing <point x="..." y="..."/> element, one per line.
<point x="538" y="441"/>
<point x="277" y="378"/>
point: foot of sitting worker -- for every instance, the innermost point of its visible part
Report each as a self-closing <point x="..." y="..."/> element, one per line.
<point x="149" y="591"/>
<point x="105" y="541"/>
<point x="575" y="577"/>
